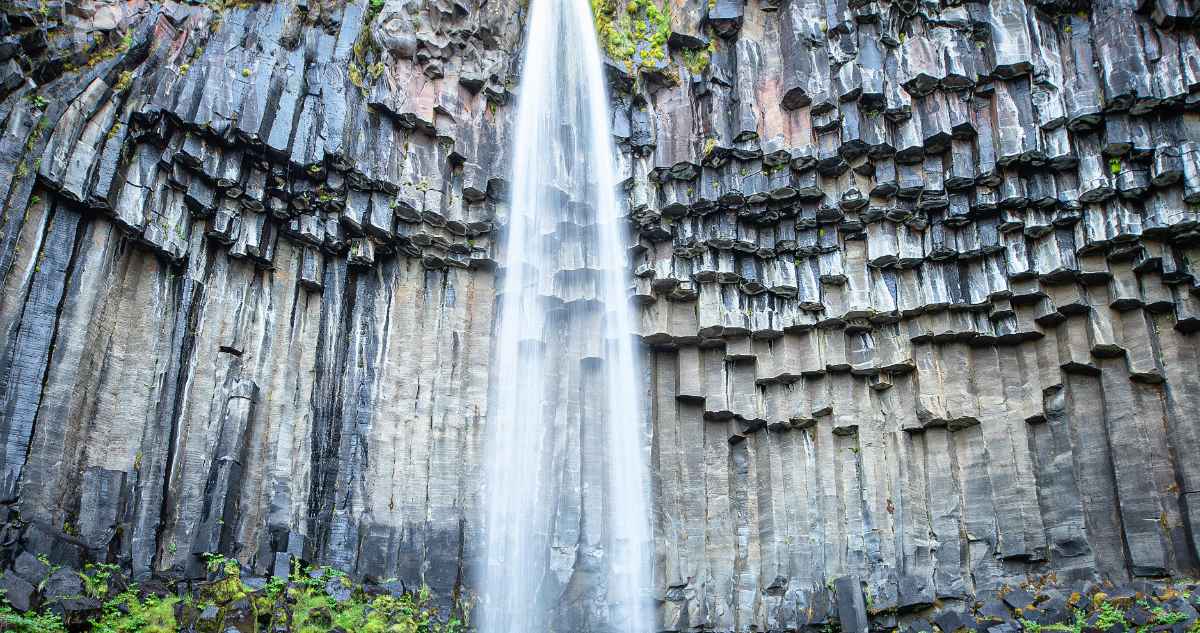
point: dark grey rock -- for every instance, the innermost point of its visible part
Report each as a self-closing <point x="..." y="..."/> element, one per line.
<point x="1018" y="598"/>
<point x="851" y="608"/>
<point x="994" y="611"/>
<point x="18" y="592"/>
<point x="29" y="567"/>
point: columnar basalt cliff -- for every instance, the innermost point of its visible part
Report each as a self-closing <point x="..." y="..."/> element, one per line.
<point x="917" y="282"/>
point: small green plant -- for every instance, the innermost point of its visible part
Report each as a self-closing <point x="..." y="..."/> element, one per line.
<point x="39" y="102"/>
<point x="696" y="60"/>
<point x="123" y="81"/>
<point x="43" y="622"/>
<point x="223" y="564"/>
<point x="1114" y="166"/>
<point x="104" y="52"/>
<point x="128" y="613"/>
<point x="1110" y="615"/>
<point x="355" y="74"/>
<point x="95" y="579"/>
<point x="1167" y="618"/>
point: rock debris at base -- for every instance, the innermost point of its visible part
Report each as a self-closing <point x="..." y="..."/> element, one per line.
<point x="917" y="286"/>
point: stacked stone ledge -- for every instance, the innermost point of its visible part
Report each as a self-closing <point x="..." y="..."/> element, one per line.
<point x="917" y="286"/>
<point x="244" y="141"/>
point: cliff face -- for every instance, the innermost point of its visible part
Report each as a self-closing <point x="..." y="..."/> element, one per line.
<point x="248" y="304"/>
<point x="916" y="282"/>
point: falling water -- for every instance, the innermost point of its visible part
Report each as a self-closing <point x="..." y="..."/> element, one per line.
<point x="567" y="497"/>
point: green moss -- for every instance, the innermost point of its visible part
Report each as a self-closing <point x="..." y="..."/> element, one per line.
<point x="104" y="52"/>
<point x="633" y="33"/>
<point x="697" y="60"/>
<point x="128" y="613"/>
<point x="364" y="59"/>
<point x="123" y="81"/>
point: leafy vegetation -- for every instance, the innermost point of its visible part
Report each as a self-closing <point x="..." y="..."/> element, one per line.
<point x="365" y="59"/>
<point x="106" y="48"/>
<point x="696" y="60"/>
<point x="634" y="32"/>
<point x="43" y="622"/>
<point x="129" y="613"/>
<point x="1076" y="626"/>
<point x="315" y="600"/>
<point x="1107" y="613"/>
<point x="123" y="81"/>
<point x="1110" y="615"/>
<point x="96" y="578"/>
<point x="1162" y="616"/>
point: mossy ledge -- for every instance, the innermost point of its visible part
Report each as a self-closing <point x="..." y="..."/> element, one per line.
<point x="633" y="33"/>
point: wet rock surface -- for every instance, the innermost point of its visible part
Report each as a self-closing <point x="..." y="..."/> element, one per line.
<point x="916" y="284"/>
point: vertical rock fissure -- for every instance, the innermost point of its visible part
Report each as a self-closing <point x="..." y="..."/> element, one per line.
<point x="336" y="324"/>
<point x="171" y="411"/>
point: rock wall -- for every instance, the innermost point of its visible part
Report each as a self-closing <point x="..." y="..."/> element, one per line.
<point x="248" y="288"/>
<point x="919" y="286"/>
<point x="916" y="282"/>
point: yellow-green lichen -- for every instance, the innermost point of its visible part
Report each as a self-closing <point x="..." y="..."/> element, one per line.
<point x="696" y="60"/>
<point x="633" y="33"/>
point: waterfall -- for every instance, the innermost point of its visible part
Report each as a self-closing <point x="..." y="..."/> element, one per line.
<point x="567" y="490"/>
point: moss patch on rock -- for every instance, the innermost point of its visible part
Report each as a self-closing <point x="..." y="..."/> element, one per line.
<point x="633" y="32"/>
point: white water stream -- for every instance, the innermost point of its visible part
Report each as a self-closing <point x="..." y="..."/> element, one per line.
<point x="567" y="490"/>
